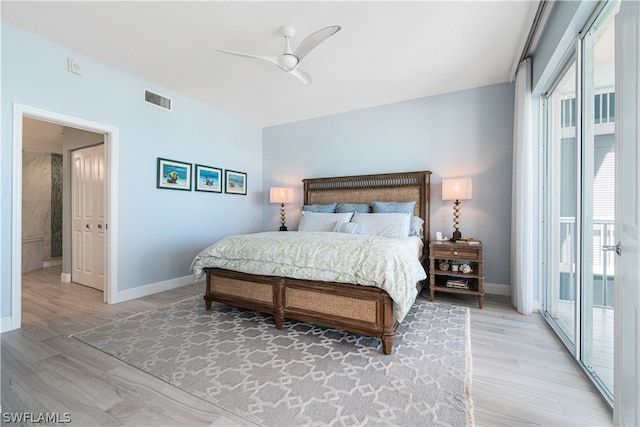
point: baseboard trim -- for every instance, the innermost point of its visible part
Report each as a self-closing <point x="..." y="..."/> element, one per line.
<point x="497" y="289"/>
<point x="150" y="289"/>
<point x="51" y="262"/>
<point x="6" y="324"/>
<point x="65" y="278"/>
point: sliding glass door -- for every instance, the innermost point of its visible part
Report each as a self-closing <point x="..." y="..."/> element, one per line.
<point x="562" y="198"/>
<point x="598" y="160"/>
<point x="580" y="200"/>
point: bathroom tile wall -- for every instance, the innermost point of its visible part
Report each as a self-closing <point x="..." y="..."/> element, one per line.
<point x="36" y="198"/>
<point x="56" y="205"/>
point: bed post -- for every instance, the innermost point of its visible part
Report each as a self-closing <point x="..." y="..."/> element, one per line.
<point x="389" y="325"/>
<point x="207" y="292"/>
<point x="278" y="299"/>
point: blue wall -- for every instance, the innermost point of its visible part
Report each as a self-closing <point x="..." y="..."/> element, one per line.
<point x="467" y="133"/>
<point x="160" y="231"/>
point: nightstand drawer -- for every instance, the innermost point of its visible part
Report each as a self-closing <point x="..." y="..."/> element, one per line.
<point x="462" y="252"/>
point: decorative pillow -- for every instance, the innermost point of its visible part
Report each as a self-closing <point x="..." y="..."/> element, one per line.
<point x="330" y="208"/>
<point x="321" y="221"/>
<point x="347" y="227"/>
<point x="383" y="224"/>
<point x="393" y="207"/>
<point x="353" y="207"/>
<point x="416" y="227"/>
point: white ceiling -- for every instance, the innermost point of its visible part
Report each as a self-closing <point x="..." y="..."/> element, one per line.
<point x="386" y="52"/>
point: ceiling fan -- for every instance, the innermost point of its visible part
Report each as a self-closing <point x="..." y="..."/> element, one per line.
<point x="290" y="59"/>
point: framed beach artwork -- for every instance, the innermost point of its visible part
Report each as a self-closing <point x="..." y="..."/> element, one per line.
<point x="208" y="179"/>
<point x="174" y="175"/>
<point x="235" y="182"/>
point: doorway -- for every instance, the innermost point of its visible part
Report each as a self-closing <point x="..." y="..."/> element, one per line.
<point x="580" y="188"/>
<point x="110" y="137"/>
<point x="50" y="155"/>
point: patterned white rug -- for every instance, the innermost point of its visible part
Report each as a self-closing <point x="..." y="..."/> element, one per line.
<point x="303" y="374"/>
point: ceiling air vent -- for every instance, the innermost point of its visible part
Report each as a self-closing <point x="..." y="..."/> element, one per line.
<point x="157" y="100"/>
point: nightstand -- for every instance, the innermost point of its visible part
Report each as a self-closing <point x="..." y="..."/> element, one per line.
<point x="443" y="255"/>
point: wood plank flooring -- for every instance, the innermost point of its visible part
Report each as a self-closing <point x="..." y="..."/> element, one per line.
<point x="521" y="374"/>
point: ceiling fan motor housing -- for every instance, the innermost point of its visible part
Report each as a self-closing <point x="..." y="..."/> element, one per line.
<point x="288" y="61"/>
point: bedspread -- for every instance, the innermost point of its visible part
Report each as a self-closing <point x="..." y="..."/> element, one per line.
<point x="391" y="264"/>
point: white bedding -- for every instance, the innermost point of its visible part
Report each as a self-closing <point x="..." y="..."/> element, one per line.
<point x="388" y="263"/>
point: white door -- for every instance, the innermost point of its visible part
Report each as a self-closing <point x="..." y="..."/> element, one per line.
<point x="627" y="296"/>
<point x="88" y="220"/>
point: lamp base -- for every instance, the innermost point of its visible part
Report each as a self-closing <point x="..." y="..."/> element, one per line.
<point x="283" y="218"/>
<point x="456" y="236"/>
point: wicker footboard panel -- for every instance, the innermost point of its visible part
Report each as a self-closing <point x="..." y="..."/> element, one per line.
<point x="360" y="309"/>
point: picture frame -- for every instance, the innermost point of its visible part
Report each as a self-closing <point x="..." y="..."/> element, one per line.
<point x="208" y="179"/>
<point x="235" y="182"/>
<point x="173" y="175"/>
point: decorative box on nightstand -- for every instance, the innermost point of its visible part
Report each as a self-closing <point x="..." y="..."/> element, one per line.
<point x="444" y="256"/>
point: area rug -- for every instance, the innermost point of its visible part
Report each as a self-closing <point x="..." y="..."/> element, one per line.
<point x="303" y="374"/>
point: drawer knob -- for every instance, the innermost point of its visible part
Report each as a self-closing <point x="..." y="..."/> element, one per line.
<point x="455" y="252"/>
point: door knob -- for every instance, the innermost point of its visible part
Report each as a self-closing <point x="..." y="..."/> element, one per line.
<point x="613" y="248"/>
<point x="99" y="226"/>
<point x="87" y="226"/>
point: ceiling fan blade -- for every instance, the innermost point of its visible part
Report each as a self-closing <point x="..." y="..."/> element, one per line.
<point x="272" y="59"/>
<point x="313" y="40"/>
<point x="304" y="77"/>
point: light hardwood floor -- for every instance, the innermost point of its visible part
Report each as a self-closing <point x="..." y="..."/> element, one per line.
<point x="521" y="373"/>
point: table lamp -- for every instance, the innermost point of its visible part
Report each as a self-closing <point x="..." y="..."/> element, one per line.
<point x="281" y="195"/>
<point x="456" y="189"/>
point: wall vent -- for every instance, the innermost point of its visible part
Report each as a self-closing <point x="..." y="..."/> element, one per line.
<point x="157" y="100"/>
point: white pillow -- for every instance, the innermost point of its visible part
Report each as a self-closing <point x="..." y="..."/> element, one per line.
<point x="320" y="221"/>
<point x="383" y="224"/>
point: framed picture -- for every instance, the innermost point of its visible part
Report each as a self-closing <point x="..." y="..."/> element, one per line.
<point x="208" y="179"/>
<point x="174" y="175"/>
<point x="235" y="182"/>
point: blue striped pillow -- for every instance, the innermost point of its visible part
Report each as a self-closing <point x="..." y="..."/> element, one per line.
<point x="330" y="208"/>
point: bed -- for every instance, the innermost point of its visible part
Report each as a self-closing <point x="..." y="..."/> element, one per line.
<point x="358" y="308"/>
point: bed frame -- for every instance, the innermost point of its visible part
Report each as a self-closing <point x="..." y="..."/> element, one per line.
<point x="361" y="309"/>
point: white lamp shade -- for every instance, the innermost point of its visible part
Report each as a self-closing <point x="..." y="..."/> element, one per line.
<point x="281" y="195"/>
<point x="456" y="189"/>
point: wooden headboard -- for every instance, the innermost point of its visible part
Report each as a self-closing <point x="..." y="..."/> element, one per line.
<point x="388" y="187"/>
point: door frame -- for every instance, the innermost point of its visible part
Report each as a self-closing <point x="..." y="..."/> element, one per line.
<point x="111" y="203"/>
<point x="626" y="410"/>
